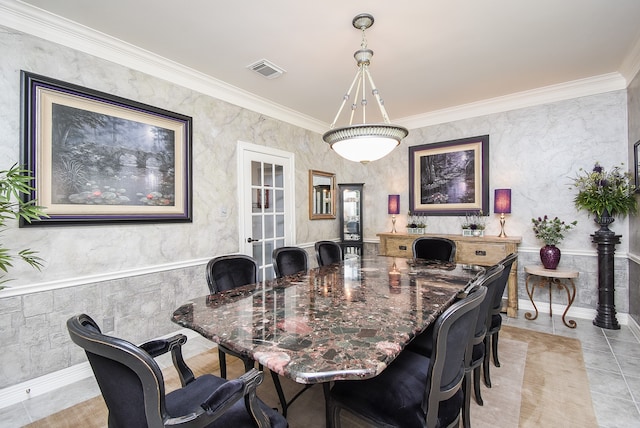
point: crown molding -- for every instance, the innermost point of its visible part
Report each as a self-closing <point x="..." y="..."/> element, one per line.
<point x="31" y="20"/>
<point x="631" y="65"/>
<point x="37" y="22"/>
<point x="548" y="94"/>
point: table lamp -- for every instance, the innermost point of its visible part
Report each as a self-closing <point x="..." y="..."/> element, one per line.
<point x="502" y="206"/>
<point x="394" y="209"/>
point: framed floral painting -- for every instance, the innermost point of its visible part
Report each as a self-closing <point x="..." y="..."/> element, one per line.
<point x="97" y="158"/>
<point x="450" y="177"/>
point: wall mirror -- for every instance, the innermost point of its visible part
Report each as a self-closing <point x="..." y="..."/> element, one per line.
<point x="322" y="195"/>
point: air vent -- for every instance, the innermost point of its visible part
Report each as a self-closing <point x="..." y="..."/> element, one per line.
<point x="266" y="69"/>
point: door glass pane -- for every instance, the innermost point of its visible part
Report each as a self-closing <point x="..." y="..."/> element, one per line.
<point x="256" y="227"/>
<point x="279" y="200"/>
<point x="279" y="176"/>
<point x="280" y="225"/>
<point x="268" y="200"/>
<point x="268" y="174"/>
<point x="256" y="200"/>
<point x="269" y="232"/>
<point x="256" y="173"/>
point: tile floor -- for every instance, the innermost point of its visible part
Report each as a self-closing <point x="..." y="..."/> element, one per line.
<point x="612" y="358"/>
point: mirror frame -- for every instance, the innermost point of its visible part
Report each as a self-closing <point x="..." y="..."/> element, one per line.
<point x="322" y="216"/>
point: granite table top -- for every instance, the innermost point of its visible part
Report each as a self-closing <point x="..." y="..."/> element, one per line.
<point x="342" y="321"/>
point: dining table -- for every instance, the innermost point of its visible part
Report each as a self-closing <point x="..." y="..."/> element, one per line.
<point x="344" y="321"/>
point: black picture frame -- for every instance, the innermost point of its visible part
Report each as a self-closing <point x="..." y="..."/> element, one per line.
<point x="96" y="158"/>
<point x="450" y="177"/>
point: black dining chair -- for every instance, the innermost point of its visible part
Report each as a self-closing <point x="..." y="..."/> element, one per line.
<point x="328" y="252"/>
<point x="423" y="343"/>
<point x="225" y="273"/>
<point x="415" y="390"/>
<point x="289" y="260"/>
<point x="434" y="248"/>
<point x="491" y="339"/>
<point x="133" y="388"/>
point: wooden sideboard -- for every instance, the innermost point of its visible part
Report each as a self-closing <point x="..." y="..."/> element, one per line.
<point x="483" y="250"/>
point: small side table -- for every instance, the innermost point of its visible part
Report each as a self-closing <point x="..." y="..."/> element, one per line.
<point x="561" y="277"/>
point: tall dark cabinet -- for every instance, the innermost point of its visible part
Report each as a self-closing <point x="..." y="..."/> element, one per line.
<point x="350" y="212"/>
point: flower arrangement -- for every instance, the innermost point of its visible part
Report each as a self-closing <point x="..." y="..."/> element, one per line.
<point x="605" y="193"/>
<point x="416" y="223"/>
<point x="551" y="231"/>
<point x="474" y="221"/>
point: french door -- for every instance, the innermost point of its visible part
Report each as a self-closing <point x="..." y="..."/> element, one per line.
<point x="266" y="208"/>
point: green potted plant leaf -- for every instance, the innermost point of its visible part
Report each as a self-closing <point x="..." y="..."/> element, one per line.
<point x="14" y="183"/>
<point x="606" y="194"/>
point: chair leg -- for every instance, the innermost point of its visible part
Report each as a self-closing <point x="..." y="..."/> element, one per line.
<point x="283" y="400"/>
<point x="328" y="415"/>
<point x="476" y="385"/>
<point x="223" y="364"/>
<point x="333" y="415"/>
<point x="248" y="364"/>
<point x="466" y="406"/>
<point x="494" y="346"/>
<point x="487" y="361"/>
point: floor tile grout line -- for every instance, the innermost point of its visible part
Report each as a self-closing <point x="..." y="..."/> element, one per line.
<point x="624" y="378"/>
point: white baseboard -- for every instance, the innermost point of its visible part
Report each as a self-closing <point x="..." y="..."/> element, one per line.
<point x="15" y="394"/>
<point x="574" y="312"/>
<point x="23" y="391"/>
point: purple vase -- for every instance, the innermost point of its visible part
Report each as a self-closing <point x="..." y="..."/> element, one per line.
<point x="550" y="256"/>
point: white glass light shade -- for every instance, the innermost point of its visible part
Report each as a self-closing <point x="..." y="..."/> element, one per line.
<point x="365" y="143"/>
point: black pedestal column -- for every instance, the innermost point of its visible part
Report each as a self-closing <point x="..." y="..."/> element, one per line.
<point x="606" y="240"/>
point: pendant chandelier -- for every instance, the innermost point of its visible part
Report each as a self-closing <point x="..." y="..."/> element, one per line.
<point x="363" y="142"/>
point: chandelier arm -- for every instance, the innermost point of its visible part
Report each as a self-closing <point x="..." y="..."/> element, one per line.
<point x="363" y="103"/>
<point x="345" y="98"/>
<point x="354" y="106"/>
<point x="376" y="94"/>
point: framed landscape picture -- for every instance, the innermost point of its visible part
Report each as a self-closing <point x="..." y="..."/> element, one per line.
<point x="450" y="177"/>
<point x="97" y="158"/>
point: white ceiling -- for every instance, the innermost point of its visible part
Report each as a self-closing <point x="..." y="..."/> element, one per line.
<point x="429" y="55"/>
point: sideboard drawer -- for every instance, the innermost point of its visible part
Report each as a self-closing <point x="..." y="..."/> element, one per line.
<point x="480" y="253"/>
<point x="399" y="247"/>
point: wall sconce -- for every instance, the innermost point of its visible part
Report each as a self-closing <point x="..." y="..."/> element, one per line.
<point x="502" y="206"/>
<point x="394" y="209"/>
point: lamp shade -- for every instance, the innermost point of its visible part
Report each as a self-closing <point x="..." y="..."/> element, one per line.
<point x="365" y="143"/>
<point x="502" y="201"/>
<point x="394" y="204"/>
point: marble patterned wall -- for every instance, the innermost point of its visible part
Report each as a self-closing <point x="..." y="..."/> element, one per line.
<point x="533" y="150"/>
